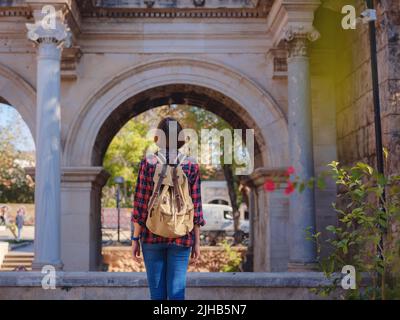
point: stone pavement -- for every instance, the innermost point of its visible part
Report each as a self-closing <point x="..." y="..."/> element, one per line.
<point x="28" y="233"/>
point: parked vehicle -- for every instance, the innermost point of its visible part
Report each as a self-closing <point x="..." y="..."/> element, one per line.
<point x="219" y="223"/>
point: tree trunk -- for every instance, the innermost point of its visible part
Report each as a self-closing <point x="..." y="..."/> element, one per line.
<point x="228" y="173"/>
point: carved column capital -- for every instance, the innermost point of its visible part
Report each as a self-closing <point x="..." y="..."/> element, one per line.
<point x="49" y="29"/>
<point x="298" y="38"/>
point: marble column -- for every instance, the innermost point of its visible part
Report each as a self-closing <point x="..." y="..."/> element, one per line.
<point x="49" y="40"/>
<point x="302" y="252"/>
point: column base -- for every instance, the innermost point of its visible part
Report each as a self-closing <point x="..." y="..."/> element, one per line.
<point x="302" y="267"/>
<point x="38" y="266"/>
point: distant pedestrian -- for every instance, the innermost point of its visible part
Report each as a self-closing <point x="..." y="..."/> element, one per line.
<point x="4" y="215"/>
<point x="19" y="221"/>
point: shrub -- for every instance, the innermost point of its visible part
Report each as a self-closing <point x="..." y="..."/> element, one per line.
<point x="367" y="234"/>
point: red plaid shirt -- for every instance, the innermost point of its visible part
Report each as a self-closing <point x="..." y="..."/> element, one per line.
<point x="144" y="190"/>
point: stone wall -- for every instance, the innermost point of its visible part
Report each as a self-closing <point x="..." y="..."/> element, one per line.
<point x="133" y="286"/>
<point x="355" y="110"/>
<point x="116" y="63"/>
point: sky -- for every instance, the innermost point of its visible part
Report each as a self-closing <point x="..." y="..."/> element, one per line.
<point x="9" y="114"/>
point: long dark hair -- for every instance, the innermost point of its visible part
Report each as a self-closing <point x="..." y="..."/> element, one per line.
<point x="171" y="127"/>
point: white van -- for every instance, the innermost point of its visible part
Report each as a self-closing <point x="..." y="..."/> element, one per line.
<point x="219" y="218"/>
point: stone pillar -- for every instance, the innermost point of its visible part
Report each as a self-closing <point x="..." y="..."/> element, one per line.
<point x="302" y="253"/>
<point x="81" y="217"/>
<point x="269" y="214"/>
<point x="49" y="40"/>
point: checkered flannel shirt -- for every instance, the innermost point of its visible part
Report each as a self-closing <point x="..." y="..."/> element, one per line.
<point x="144" y="190"/>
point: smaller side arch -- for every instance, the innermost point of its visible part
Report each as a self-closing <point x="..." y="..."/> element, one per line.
<point x="17" y="92"/>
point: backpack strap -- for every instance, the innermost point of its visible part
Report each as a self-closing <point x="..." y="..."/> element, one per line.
<point x="175" y="179"/>
<point x="177" y="194"/>
<point x="180" y="158"/>
<point x="160" y="158"/>
<point x="158" y="186"/>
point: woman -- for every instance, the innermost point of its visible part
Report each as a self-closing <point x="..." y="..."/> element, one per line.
<point x="4" y="215"/>
<point x="166" y="259"/>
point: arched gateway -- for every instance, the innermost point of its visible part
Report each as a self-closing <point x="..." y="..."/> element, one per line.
<point x="212" y="86"/>
<point x="16" y="91"/>
<point x="107" y="61"/>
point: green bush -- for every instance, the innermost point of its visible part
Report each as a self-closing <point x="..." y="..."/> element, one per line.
<point x="234" y="261"/>
<point x="367" y="234"/>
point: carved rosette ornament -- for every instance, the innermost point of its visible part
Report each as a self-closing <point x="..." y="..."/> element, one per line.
<point x="298" y="38"/>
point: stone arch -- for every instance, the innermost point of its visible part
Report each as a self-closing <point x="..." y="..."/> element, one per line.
<point x="212" y="86"/>
<point x="17" y="92"/>
<point x="203" y="83"/>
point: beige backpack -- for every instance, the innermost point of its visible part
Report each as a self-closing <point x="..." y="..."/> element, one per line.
<point x="170" y="209"/>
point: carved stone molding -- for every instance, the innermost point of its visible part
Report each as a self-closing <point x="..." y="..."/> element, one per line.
<point x="15" y="12"/>
<point x="298" y="38"/>
<point x="171" y="9"/>
<point x="69" y="61"/>
<point x="249" y="9"/>
<point x="278" y="57"/>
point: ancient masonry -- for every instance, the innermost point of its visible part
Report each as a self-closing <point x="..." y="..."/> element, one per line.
<point x="284" y="68"/>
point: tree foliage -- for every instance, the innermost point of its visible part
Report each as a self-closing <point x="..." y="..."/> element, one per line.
<point x="15" y="185"/>
<point x="367" y="235"/>
<point x="123" y="157"/>
<point x="128" y="147"/>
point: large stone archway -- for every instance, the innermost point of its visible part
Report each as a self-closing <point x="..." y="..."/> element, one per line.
<point x="212" y="86"/>
<point x="254" y="106"/>
<point x="125" y="58"/>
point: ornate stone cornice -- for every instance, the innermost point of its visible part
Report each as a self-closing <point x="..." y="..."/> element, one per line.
<point x="165" y="13"/>
<point x="297" y="39"/>
<point x="42" y="32"/>
<point x="188" y="9"/>
<point x="15" y="12"/>
<point x="178" y="4"/>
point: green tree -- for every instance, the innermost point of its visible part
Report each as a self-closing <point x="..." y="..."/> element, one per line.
<point x="367" y="235"/>
<point x="123" y="157"/>
<point x="15" y="184"/>
<point x="128" y="146"/>
<point x="197" y="118"/>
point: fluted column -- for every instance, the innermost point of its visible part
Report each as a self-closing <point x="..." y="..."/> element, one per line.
<point x="49" y="40"/>
<point x="302" y="252"/>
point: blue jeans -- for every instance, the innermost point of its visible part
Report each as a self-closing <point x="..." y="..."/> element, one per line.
<point x="166" y="266"/>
